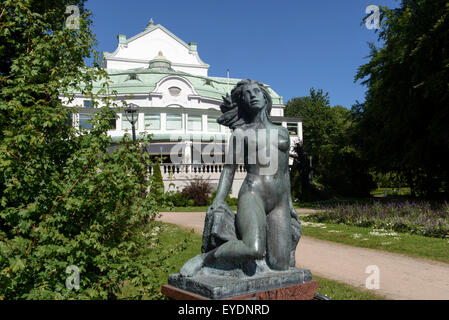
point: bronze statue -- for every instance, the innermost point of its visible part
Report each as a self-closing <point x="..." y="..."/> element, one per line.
<point x="264" y="233"/>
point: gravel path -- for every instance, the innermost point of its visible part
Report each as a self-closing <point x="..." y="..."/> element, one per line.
<point x="400" y="277"/>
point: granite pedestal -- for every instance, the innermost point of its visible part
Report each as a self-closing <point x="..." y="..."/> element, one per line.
<point x="292" y="284"/>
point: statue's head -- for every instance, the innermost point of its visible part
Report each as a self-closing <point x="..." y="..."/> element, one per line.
<point x="247" y="98"/>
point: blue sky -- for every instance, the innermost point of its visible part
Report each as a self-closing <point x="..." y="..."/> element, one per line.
<point x="292" y="45"/>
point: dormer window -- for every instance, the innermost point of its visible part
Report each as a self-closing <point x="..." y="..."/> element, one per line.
<point x="174" y="91"/>
<point x="208" y="82"/>
<point x="132" y="76"/>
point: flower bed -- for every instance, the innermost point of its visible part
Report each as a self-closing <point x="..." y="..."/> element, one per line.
<point x="420" y="218"/>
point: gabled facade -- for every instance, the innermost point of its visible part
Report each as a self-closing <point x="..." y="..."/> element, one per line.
<point x="137" y="51"/>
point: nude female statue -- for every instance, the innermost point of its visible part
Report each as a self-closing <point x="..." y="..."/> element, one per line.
<point x="266" y="227"/>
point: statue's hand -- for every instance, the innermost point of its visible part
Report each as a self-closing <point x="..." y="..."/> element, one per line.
<point x="219" y="225"/>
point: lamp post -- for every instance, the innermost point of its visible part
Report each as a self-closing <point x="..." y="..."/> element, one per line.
<point x="132" y="116"/>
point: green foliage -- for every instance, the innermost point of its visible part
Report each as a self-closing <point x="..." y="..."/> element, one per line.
<point x="328" y="139"/>
<point x="403" y="123"/>
<point x="301" y="173"/>
<point x="64" y="198"/>
<point x="318" y="125"/>
<point x="199" y="191"/>
<point x="178" y="199"/>
<point x="164" y="248"/>
<point x="230" y="201"/>
<point x="389" y="180"/>
<point x="159" y="182"/>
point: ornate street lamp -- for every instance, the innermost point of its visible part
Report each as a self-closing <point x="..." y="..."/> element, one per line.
<point x="132" y="117"/>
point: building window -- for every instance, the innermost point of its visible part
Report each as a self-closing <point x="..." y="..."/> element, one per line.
<point x="195" y="123"/>
<point x="212" y="124"/>
<point x="174" y="121"/>
<point x="292" y="129"/>
<point x="126" y="125"/>
<point x="88" y="104"/>
<point x="174" y="91"/>
<point x="152" y="121"/>
<point x="84" y="121"/>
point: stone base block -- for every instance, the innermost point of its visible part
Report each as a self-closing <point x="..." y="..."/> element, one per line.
<point x="293" y="284"/>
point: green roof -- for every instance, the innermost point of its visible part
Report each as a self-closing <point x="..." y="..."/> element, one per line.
<point x="146" y="79"/>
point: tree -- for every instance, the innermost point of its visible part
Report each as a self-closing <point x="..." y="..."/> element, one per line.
<point x="328" y="136"/>
<point x="64" y="199"/>
<point x="158" y="181"/>
<point x="403" y="124"/>
<point x="301" y="176"/>
<point x="318" y="126"/>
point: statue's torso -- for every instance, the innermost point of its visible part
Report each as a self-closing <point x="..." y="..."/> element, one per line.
<point x="267" y="169"/>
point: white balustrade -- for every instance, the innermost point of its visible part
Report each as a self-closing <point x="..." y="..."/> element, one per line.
<point x="171" y="170"/>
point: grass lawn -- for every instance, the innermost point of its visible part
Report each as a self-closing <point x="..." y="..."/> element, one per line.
<point x="300" y="205"/>
<point x="319" y="204"/>
<point x="336" y="290"/>
<point x="391" y="191"/>
<point x="388" y="195"/>
<point x="184" y="209"/>
<point x="191" y="209"/>
<point x="412" y="245"/>
<point x="172" y="235"/>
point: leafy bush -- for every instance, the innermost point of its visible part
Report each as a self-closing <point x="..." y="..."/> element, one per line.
<point x="178" y="199"/>
<point x="64" y="198"/>
<point x="230" y="201"/>
<point x="199" y="191"/>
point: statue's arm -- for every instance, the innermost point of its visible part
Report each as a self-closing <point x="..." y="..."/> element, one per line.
<point x="227" y="175"/>
<point x="225" y="183"/>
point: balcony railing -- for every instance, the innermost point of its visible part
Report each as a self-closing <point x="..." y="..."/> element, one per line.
<point x="168" y="169"/>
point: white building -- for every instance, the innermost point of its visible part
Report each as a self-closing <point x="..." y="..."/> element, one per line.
<point x="178" y="101"/>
